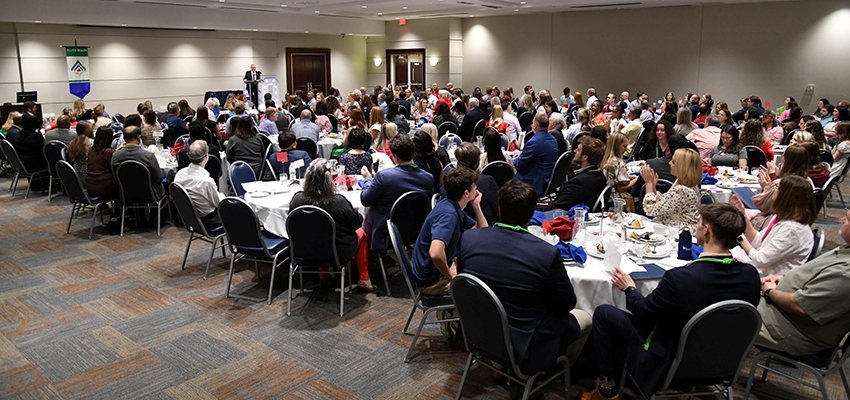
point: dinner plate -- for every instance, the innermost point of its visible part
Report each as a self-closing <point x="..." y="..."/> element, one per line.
<point x="654" y="238"/>
<point x="729" y="185"/>
<point x="257" y="194"/>
<point x="642" y="224"/>
<point x="592" y="220"/>
<point x="747" y="179"/>
<point x="659" y="253"/>
<point x="280" y="189"/>
<point x="591" y="251"/>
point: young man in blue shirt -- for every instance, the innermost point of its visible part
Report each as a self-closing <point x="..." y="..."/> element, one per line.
<point x="436" y="246"/>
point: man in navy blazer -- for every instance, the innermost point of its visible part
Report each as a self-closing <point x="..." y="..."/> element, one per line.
<point x="466" y="131"/>
<point x="388" y="185"/>
<point x="588" y="182"/>
<point x="539" y="154"/>
<point x="529" y="278"/>
<point x="648" y="337"/>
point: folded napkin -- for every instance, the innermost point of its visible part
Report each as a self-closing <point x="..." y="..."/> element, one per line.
<point x="708" y="179"/>
<point x="349" y="180"/>
<point x="561" y="227"/>
<point x="712" y="170"/>
<point x="569" y="250"/>
<point x="571" y="212"/>
<point x="538" y="218"/>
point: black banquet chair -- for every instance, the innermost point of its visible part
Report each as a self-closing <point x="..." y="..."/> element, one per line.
<point x="78" y="196"/>
<point x="486" y="335"/>
<point x="21" y="171"/>
<point x="192" y="221"/>
<point x="501" y="172"/>
<point x="426" y="303"/>
<point x="755" y="158"/>
<point x="307" y="145"/>
<point x="408" y="213"/>
<point x="53" y="153"/>
<point x="559" y="175"/>
<point x="248" y="240"/>
<point x="312" y="244"/>
<point x="136" y="191"/>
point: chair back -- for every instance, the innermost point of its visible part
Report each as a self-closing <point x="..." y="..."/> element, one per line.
<point x="12" y="156"/>
<point x="602" y="201"/>
<point x="53" y="154"/>
<point x="501" y="172"/>
<point x="559" y="173"/>
<point x="706" y="197"/>
<point x="134" y="183"/>
<point x="75" y="188"/>
<point x="213" y="166"/>
<point x="403" y="111"/>
<point x="483" y="320"/>
<point x="240" y="172"/>
<point x="788" y="136"/>
<point x="662" y="186"/>
<point x="450" y="166"/>
<point x="714" y="343"/>
<point x="283" y="120"/>
<point x="187" y="210"/>
<point x="404" y="260"/>
<point x="266" y="141"/>
<point x="478" y="130"/>
<point x="312" y="237"/>
<point x="408" y="213"/>
<point x="307" y="145"/>
<point x="755" y="158"/>
<point x="449" y="138"/>
<point x="334" y="123"/>
<point x="446" y="127"/>
<point x="264" y="168"/>
<point x="506" y="142"/>
<point x="693" y="146"/>
<point x="525" y="121"/>
<point x="641" y="140"/>
<point x="189" y="118"/>
<point x="242" y="227"/>
<point x="118" y="118"/>
<point x="820" y="237"/>
<point x="574" y="144"/>
<point x="843" y="173"/>
<point x="515" y="104"/>
<point x="826" y="157"/>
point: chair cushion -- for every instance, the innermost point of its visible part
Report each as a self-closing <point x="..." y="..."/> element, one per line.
<point x="274" y="243"/>
<point x="435" y="300"/>
<point x="216" y="231"/>
<point x="98" y="199"/>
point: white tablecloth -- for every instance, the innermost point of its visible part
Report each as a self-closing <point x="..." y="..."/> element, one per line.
<point x="325" y="145"/>
<point x="592" y="281"/>
<point x="724" y="195"/>
<point x="272" y="209"/>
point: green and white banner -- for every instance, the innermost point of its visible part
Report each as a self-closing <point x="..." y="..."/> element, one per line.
<point x="78" y="70"/>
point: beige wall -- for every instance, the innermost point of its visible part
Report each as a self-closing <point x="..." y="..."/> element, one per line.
<point x="769" y="49"/>
<point x="128" y="66"/>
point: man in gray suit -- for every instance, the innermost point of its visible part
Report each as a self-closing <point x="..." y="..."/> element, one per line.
<point x="305" y="128"/>
<point x="131" y="150"/>
<point x="63" y="132"/>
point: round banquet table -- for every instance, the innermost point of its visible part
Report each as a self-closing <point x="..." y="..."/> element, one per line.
<point x="723" y="193"/>
<point x="272" y="208"/>
<point x="592" y="280"/>
<point x="325" y="146"/>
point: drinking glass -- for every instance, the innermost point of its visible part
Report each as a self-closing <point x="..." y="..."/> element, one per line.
<point x="283" y="179"/>
<point x="581" y="230"/>
<point x="640" y="252"/>
<point x="673" y="232"/>
<point x="557" y="213"/>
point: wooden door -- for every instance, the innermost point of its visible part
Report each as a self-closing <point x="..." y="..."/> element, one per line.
<point x="308" y="69"/>
<point x="400" y="71"/>
<point x="417" y="72"/>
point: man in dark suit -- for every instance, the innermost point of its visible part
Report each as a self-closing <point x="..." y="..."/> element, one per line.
<point x="466" y="131"/>
<point x="539" y="154"/>
<point x="588" y="182"/>
<point x="646" y="340"/>
<point x="753" y="104"/>
<point x="556" y="127"/>
<point x="197" y="131"/>
<point x="251" y="78"/>
<point x="529" y="278"/>
<point x="661" y="165"/>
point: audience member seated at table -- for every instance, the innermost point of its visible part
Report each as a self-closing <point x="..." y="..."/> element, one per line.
<point x="493" y="150"/>
<point x="78" y="149"/>
<point x="646" y="337"/>
<point x="131" y="150"/>
<point x="29" y="144"/>
<point x="63" y="132"/>
<point x="287" y="144"/>
<point x="613" y="166"/>
<point x="842" y="148"/>
<point x="320" y="191"/>
<point x="383" y="188"/>
<point x="816" y="129"/>
<point x="706" y="138"/>
<point x="202" y="115"/>
<point x="529" y="278"/>
<point x="386" y="132"/>
<point x="772" y="128"/>
<point x="661" y="165"/>
<point x="588" y="182"/>
<point x="423" y="112"/>
<point x="436" y="245"/>
<point x="305" y="128"/>
<point x="535" y="161"/>
<point x="426" y="158"/>
<point x="199" y="184"/>
<point x="393" y="116"/>
<point x="752" y="134"/>
<point x="795" y="162"/>
<point x="684" y="122"/>
<point x="806" y="310"/>
<point x="176" y="126"/>
<point x="268" y="125"/>
<point x="752" y="103"/>
<point x="818" y="171"/>
<point x="233" y="121"/>
<point x="471" y="118"/>
<point x="441" y="152"/>
<point x="376" y="122"/>
<point x="556" y="129"/>
<point x="99" y="179"/>
<point x="197" y="131"/>
<point x="98" y="117"/>
<point x="150" y="128"/>
<point x="657" y="143"/>
<point x="681" y="202"/>
<point x="12" y="126"/>
<point x="467" y="157"/>
<point x="358" y="157"/>
<point x="246" y="146"/>
<point x="633" y="128"/>
<point x="786" y="241"/>
<point x="729" y="152"/>
<point x="322" y="119"/>
<point x="444" y="114"/>
<point x="497" y="120"/>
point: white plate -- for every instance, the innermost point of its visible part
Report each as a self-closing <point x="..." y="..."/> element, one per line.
<point x="642" y="224"/>
<point x="280" y="188"/>
<point x="654" y="238"/>
<point x="257" y="194"/>
<point x="591" y="251"/>
<point x="592" y="220"/>
<point x="659" y="253"/>
<point x="730" y="185"/>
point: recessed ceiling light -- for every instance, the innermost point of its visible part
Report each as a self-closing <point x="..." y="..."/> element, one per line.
<point x="379" y="14"/>
<point x="349" y="33"/>
<point x="317" y="11"/>
<point x="470" y="15"/>
<point x="396" y="18"/>
<point x="404" y="8"/>
<point x="37" y="22"/>
<point x="254" y="30"/>
<point x="306" y="31"/>
<point x="283" y="5"/>
<point x="194" y="27"/>
<point x="516" y="9"/>
<point x="221" y="1"/>
<point x="522" y="2"/>
<point x="363" y="7"/>
<point x="123" y="24"/>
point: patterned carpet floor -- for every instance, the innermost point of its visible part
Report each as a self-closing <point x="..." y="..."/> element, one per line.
<point x="116" y="317"/>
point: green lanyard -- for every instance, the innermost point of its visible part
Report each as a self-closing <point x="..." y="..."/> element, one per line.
<point x="724" y="261"/>
<point x="516" y="228"/>
<point x="412" y="165"/>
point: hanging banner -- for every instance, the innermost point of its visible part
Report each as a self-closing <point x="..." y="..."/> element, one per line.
<point x="78" y="70"/>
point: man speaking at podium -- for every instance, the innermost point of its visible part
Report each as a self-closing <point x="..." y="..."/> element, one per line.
<point x="251" y="78"/>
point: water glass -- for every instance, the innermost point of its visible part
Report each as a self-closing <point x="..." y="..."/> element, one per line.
<point x="673" y="233"/>
<point x="283" y="179"/>
<point x="640" y="252"/>
<point x="557" y="213"/>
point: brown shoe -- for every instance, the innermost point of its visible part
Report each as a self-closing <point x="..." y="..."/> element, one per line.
<point x="367" y="286"/>
<point x="499" y="378"/>
<point x="595" y="395"/>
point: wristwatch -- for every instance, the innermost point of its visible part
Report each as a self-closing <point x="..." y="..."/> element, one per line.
<point x="766" y="296"/>
<point x="629" y="289"/>
<point x="740" y="238"/>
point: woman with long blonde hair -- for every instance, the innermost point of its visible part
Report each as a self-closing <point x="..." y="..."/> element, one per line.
<point x="376" y="119"/>
<point x="382" y="143"/>
<point x="613" y="165"/>
<point x="497" y="120"/>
